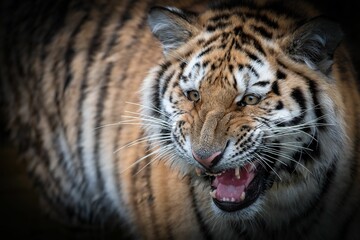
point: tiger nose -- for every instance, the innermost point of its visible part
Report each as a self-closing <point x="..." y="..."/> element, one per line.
<point x="207" y="160"/>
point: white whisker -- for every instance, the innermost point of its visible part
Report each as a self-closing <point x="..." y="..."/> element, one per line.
<point x="265" y="162"/>
<point x="144" y="139"/>
<point x="162" y="154"/>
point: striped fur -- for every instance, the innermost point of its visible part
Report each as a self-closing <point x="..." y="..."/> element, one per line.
<point x="102" y="109"/>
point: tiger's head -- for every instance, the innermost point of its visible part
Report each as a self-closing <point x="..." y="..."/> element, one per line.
<point x="244" y="98"/>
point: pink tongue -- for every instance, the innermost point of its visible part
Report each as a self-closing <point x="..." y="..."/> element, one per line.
<point x="229" y="187"/>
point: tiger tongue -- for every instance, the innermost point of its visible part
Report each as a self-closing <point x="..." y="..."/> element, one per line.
<point x="230" y="187"/>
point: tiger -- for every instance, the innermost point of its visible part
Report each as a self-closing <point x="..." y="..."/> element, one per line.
<point x="185" y="119"/>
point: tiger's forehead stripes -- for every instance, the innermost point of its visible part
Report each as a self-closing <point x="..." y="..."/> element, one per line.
<point x="266" y="24"/>
<point x="229" y="60"/>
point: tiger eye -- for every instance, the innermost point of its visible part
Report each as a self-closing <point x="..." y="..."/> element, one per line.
<point x="251" y="99"/>
<point x="193" y="95"/>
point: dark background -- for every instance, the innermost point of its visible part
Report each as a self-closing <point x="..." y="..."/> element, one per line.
<point x="20" y="214"/>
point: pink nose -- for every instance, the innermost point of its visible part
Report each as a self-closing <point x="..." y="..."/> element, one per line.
<point x="207" y="161"/>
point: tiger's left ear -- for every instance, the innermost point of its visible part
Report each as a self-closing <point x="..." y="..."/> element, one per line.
<point x="172" y="26"/>
<point x="315" y="42"/>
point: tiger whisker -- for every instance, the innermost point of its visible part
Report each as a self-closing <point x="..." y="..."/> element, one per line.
<point x="148" y="119"/>
<point x="164" y="153"/>
<point x="265" y="162"/>
<point x="282" y="134"/>
<point x="142" y="115"/>
<point x="269" y="150"/>
<point x="139" y="160"/>
<point x="144" y="139"/>
<point x="155" y="109"/>
<point x="151" y="123"/>
<point x="131" y="122"/>
<point x="288" y="146"/>
<point x="288" y="158"/>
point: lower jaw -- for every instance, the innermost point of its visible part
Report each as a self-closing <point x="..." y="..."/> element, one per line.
<point x="255" y="189"/>
<point x="232" y="206"/>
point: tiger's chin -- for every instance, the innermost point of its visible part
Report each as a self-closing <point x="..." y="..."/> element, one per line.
<point x="236" y="189"/>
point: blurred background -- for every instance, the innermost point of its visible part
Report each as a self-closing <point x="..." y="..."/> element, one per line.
<point x="20" y="213"/>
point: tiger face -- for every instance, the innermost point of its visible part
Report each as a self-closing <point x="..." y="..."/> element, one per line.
<point x="238" y="102"/>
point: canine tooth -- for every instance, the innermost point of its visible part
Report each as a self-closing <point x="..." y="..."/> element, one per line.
<point x="213" y="193"/>
<point x="232" y="199"/>
<point x="242" y="197"/>
<point x="237" y="172"/>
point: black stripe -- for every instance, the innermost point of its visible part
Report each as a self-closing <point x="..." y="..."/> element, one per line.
<point x="156" y="94"/>
<point x="205" y="51"/>
<point x="77" y="169"/>
<point x="62" y="199"/>
<point x="275" y="88"/>
<point x="51" y="117"/>
<point x="264" y="19"/>
<point x="146" y="179"/>
<point x="253" y="57"/>
<point x="150" y="200"/>
<point x="279" y="105"/>
<point x="211" y="40"/>
<point x="252" y="70"/>
<point x="104" y="88"/>
<point x="234" y="82"/>
<point x="313" y="88"/>
<point x="247" y="39"/>
<point x="317" y="108"/>
<point x="94" y="46"/>
<point x="280" y="75"/>
<point x="257" y="45"/>
<point x="99" y="119"/>
<point x="134" y="189"/>
<point x="261" y="83"/>
<point x="121" y="22"/>
<point x="69" y="53"/>
<point x="262" y="31"/>
<point x="183" y="65"/>
<point x="222" y="16"/>
<point x="215" y="26"/>
<point x="210" y="28"/>
<point x="199" y="218"/>
<point x="298" y="96"/>
<point x="218" y="25"/>
<point x="165" y="83"/>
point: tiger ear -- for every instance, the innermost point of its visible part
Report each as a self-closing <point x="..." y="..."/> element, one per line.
<point x="315" y="42"/>
<point x="172" y="26"/>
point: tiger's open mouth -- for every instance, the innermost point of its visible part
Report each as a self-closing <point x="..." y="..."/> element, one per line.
<point x="235" y="189"/>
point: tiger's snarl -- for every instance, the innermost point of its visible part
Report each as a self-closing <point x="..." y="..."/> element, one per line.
<point x="226" y="121"/>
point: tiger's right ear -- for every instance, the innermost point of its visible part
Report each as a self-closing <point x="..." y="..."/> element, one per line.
<point x="315" y="42"/>
<point x="172" y="26"/>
